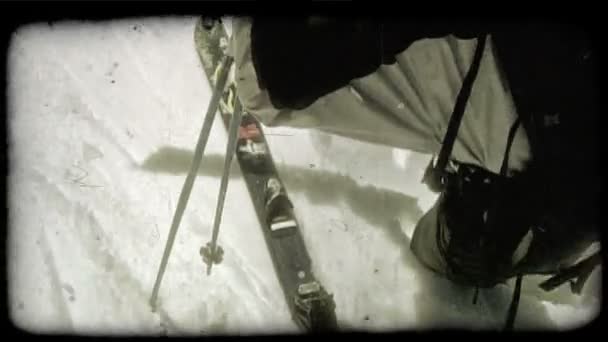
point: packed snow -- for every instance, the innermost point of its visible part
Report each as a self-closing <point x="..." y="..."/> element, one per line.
<point x="103" y="119"/>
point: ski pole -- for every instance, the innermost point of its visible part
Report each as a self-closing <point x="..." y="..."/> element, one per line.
<point x="233" y="133"/>
<point x="196" y="161"/>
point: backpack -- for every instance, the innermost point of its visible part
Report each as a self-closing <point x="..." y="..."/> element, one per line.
<point x="483" y="217"/>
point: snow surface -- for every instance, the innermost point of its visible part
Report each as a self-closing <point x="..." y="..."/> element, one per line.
<point x="103" y="121"/>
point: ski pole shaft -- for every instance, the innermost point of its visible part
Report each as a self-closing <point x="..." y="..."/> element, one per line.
<point x="196" y="161"/>
<point x="233" y="133"/>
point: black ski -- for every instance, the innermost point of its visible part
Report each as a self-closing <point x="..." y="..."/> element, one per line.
<point x="311" y="307"/>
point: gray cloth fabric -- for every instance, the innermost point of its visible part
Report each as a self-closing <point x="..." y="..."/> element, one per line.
<point x="405" y="105"/>
<point x="424" y="244"/>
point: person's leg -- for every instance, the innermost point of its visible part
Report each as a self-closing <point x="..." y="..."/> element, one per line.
<point x="552" y="74"/>
<point x="424" y="242"/>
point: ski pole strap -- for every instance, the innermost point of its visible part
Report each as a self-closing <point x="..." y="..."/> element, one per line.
<point x="456" y="118"/>
<point x="512" y="313"/>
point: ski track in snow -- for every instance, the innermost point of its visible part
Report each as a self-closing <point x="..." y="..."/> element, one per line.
<point x="94" y="192"/>
<point x="90" y="237"/>
<point x="55" y="282"/>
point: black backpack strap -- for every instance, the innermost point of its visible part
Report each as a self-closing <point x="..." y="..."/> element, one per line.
<point x="580" y="271"/>
<point x="433" y="176"/>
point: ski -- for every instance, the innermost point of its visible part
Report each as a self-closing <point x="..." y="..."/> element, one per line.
<point x="312" y="307"/>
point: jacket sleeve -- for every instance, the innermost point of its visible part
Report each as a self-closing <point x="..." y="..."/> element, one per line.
<point x="298" y="60"/>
